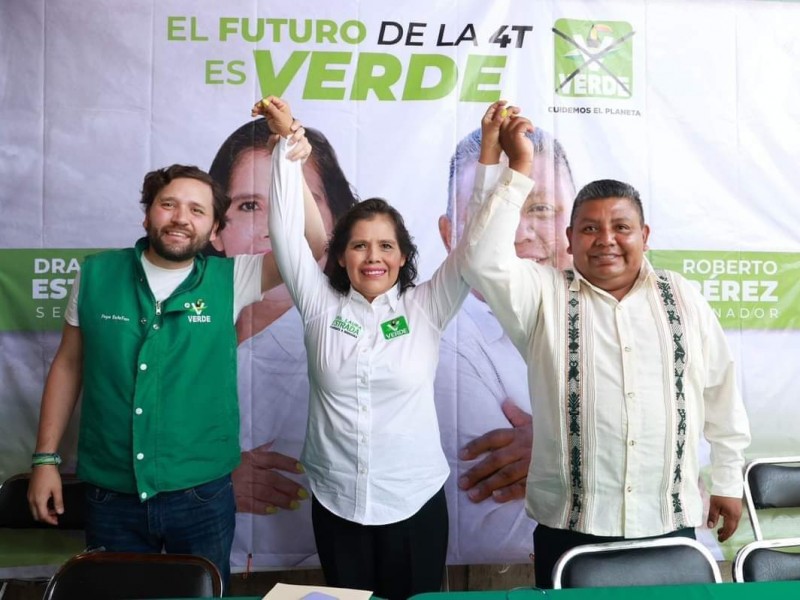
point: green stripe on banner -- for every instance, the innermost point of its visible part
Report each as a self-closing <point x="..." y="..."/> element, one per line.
<point x="35" y="285"/>
<point x="747" y="290"/>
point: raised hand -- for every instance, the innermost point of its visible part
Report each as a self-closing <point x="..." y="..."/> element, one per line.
<point x="516" y="145"/>
<point x="490" y="130"/>
<point x="280" y="120"/>
<point x="276" y="112"/>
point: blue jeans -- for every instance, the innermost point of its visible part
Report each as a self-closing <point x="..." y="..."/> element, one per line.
<point x="198" y="520"/>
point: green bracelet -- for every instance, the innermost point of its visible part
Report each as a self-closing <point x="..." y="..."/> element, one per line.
<point x="45" y="458"/>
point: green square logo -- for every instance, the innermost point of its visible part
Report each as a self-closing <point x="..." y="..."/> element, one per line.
<point x="394" y="328"/>
<point x="593" y="59"/>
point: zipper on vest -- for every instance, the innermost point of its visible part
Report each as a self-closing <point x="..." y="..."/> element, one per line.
<point x="158" y="307"/>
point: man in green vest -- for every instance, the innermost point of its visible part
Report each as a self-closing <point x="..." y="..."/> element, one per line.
<point x="149" y="337"/>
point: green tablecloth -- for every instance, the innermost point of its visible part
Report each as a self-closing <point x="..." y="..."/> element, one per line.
<point x="780" y="590"/>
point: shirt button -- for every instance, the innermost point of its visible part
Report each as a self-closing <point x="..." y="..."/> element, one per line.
<point x="143" y="321"/>
<point x="363" y="439"/>
<point x="143" y="367"/>
<point x="363" y="379"/>
<point x="363" y="408"/>
<point x="631" y="395"/>
<point x="139" y="456"/>
<point x="629" y="488"/>
<point x="138" y="411"/>
<point x="632" y="443"/>
<point x="362" y="470"/>
<point x="143" y="495"/>
<point x="155" y="326"/>
<point x="628" y="348"/>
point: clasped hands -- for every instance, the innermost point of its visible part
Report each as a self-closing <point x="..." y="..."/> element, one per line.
<point x="279" y="118"/>
<point x="503" y="129"/>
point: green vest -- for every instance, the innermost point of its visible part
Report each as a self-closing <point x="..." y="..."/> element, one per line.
<point x="160" y="409"/>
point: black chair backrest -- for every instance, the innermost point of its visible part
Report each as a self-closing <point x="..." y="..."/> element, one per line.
<point x="768" y="560"/>
<point x="129" y="576"/>
<point x="654" y="562"/>
<point x="16" y="514"/>
<point x="775" y="486"/>
<point x="771" y="483"/>
<point x="769" y="564"/>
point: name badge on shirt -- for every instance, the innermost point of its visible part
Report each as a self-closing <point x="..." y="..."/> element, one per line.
<point x="347" y="326"/>
<point x="394" y="328"/>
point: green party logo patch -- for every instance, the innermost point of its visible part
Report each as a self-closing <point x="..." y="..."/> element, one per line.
<point x="197" y="307"/>
<point x="394" y="328"/>
<point x="593" y="59"/>
<point x="746" y="290"/>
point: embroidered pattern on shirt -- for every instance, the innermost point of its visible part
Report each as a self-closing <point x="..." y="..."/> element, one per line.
<point x="197" y="307"/>
<point x="347" y="326"/>
<point x="679" y="359"/>
<point x="395" y="328"/>
<point x="574" y="441"/>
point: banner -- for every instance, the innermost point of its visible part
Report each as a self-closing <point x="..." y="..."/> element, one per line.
<point x="697" y="110"/>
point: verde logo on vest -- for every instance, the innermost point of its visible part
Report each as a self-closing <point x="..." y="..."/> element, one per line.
<point x="395" y="328"/>
<point x="347" y="326"/>
<point x="197" y="307"/>
<point x="593" y="58"/>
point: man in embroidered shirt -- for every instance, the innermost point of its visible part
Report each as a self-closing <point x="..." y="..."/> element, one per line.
<point x="150" y="337"/>
<point x="627" y="367"/>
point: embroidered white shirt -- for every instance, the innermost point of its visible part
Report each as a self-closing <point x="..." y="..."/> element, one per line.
<point x="625" y="463"/>
<point x="372" y="451"/>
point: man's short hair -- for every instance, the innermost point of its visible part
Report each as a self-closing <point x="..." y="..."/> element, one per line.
<point x="607" y="188"/>
<point x="157" y="180"/>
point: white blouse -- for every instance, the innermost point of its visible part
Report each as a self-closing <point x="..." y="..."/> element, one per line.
<point x="372" y="452"/>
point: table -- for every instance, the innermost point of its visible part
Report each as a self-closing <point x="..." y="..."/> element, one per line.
<point x="36" y="553"/>
<point x="777" y="590"/>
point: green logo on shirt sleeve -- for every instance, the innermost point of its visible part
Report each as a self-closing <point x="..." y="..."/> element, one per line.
<point x="394" y="328"/>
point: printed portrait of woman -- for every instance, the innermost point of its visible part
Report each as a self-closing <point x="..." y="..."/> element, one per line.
<point x="274" y="519"/>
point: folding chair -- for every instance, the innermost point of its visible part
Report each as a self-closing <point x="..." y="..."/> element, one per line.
<point x="31" y="550"/>
<point x="663" y="561"/>
<point x="16" y="514"/>
<point x="128" y="576"/>
<point x="771" y="483"/>
<point x="768" y="560"/>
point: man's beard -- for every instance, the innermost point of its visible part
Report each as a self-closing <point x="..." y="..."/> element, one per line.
<point x="176" y="253"/>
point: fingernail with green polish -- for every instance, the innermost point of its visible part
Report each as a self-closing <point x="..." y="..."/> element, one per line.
<point x="271" y="510"/>
<point x="302" y="494"/>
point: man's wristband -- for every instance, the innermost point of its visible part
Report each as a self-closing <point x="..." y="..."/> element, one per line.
<point x="45" y="458"/>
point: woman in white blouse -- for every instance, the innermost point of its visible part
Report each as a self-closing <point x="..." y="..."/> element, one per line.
<point x="372" y="450"/>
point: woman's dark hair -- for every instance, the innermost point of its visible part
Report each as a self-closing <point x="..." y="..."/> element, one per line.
<point x="342" y="231"/>
<point x="254" y="135"/>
